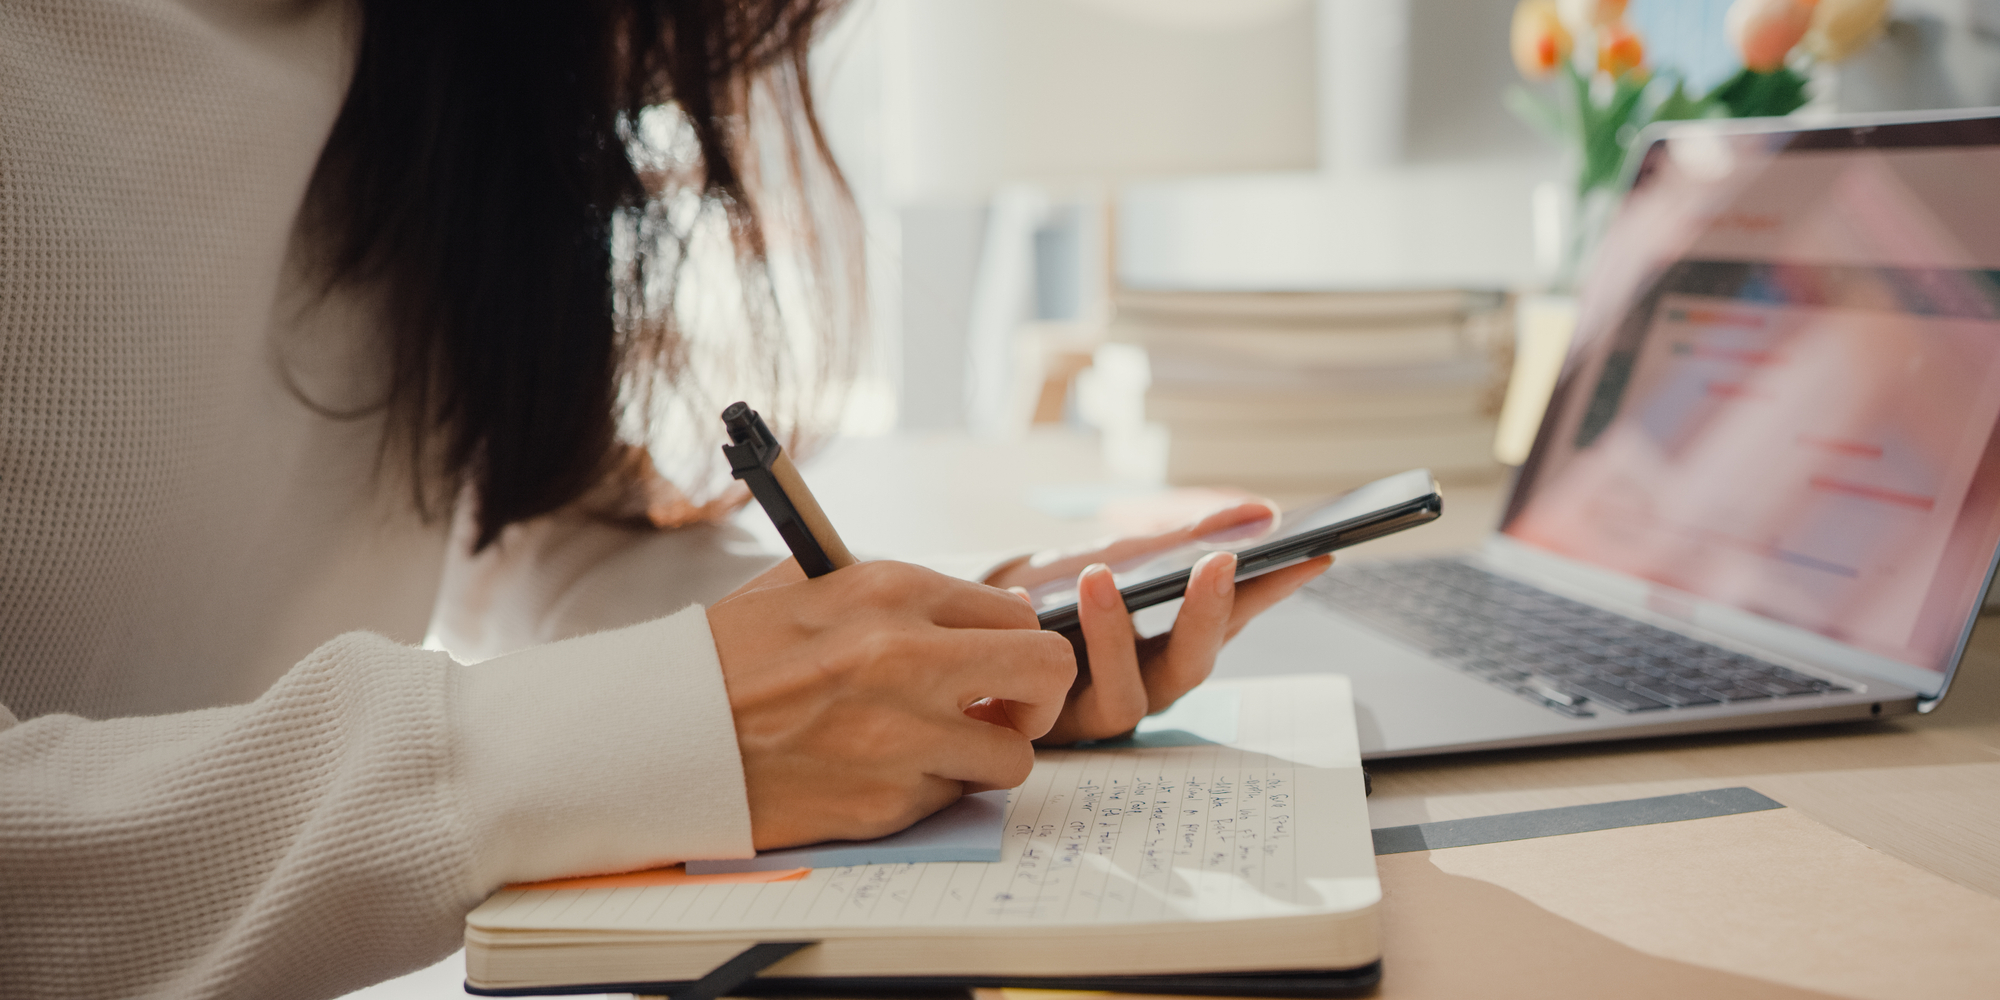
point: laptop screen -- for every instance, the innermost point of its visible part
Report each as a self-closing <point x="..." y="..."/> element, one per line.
<point x="1785" y="383"/>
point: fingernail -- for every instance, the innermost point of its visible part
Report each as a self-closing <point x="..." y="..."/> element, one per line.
<point x="1105" y="594"/>
<point x="1225" y="573"/>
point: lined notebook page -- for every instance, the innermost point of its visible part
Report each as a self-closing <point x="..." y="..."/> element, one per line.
<point x="1273" y="824"/>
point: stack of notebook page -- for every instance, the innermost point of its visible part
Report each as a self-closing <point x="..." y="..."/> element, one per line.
<point x="1227" y="853"/>
<point x="1320" y="391"/>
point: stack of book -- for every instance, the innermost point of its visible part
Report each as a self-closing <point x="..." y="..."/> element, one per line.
<point x="1317" y="391"/>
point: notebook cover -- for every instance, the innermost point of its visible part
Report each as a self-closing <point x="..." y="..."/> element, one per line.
<point x="1302" y="983"/>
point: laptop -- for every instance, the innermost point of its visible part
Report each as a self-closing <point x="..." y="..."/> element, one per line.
<point x="1766" y="490"/>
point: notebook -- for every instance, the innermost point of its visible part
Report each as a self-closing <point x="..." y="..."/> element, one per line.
<point x="1176" y="862"/>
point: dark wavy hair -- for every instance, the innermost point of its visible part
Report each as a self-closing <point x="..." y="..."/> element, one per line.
<point x="524" y="186"/>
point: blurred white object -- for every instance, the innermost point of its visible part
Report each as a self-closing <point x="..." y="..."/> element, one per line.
<point x="1037" y="306"/>
<point x="1199" y="14"/>
<point x="940" y="244"/>
<point x="1364" y="54"/>
<point x="1543" y="326"/>
<point x="1111" y="396"/>
<point x="999" y="393"/>
<point x="1549" y="211"/>
<point x="1460" y="225"/>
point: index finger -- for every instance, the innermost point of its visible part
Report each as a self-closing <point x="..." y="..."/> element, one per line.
<point x="943" y="600"/>
<point x="1029" y="673"/>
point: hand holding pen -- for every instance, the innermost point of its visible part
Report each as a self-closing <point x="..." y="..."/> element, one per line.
<point x="850" y="684"/>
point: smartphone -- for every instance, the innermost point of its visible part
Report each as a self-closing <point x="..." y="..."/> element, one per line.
<point x="1382" y="507"/>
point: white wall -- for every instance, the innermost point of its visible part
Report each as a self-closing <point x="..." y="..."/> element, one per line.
<point x="1086" y="97"/>
<point x="1459" y="68"/>
<point x="1936" y="54"/>
<point x="1427" y="179"/>
<point x="1088" y="92"/>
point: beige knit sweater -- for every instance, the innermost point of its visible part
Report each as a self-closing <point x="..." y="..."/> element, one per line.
<point x="224" y="769"/>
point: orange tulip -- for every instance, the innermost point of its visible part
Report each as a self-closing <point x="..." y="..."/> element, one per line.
<point x="1619" y="49"/>
<point x="1540" y="42"/>
<point x="1764" y="31"/>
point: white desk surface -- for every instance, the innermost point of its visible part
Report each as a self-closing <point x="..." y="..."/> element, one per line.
<point x="919" y="494"/>
<point x="1924" y="789"/>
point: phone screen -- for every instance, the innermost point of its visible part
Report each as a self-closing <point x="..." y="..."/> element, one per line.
<point x="1266" y="543"/>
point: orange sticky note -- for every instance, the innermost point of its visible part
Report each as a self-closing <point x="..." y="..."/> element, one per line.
<point x="677" y="875"/>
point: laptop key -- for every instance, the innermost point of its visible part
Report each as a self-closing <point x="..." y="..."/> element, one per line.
<point x="1736" y="693"/>
<point x="1615" y="697"/>
<point x="1677" y="696"/>
<point x="1553" y="693"/>
<point x="1793" y="676"/>
<point x="1780" y="686"/>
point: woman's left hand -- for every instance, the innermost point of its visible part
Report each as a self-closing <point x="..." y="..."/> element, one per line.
<point x="1130" y="677"/>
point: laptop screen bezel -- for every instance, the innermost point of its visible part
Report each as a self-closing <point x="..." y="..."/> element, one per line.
<point x="1960" y="128"/>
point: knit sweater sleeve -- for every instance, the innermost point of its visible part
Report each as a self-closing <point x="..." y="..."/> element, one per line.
<point x="582" y="569"/>
<point x="335" y="831"/>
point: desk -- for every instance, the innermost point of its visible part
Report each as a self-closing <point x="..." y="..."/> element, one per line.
<point x="910" y="495"/>
<point x="1924" y="789"/>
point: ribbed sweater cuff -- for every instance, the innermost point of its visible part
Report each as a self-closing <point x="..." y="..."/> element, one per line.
<point x="603" y="753"/>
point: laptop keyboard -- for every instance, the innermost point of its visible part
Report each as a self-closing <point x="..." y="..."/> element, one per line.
<point x="1563" y="653"/>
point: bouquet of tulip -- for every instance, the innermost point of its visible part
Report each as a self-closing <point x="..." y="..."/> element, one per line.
<point x="1607" y="92"/>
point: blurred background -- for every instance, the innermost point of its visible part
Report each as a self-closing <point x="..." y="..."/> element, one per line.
<point x="1231" y="241"/>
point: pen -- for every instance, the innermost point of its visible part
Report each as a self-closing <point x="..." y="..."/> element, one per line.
<point x="755" y="457"/>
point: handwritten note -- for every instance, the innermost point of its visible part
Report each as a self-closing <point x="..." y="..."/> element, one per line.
<point x="1264" y="826"/>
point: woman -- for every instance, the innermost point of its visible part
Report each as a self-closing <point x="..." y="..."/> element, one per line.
<point x="317" y="324"/>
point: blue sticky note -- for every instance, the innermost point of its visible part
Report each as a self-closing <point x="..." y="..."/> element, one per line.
<point x="1205" y="717"/>
<point x="967" y="830"/>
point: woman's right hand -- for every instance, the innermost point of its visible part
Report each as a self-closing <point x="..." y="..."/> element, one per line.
<point x="850" y="694"/>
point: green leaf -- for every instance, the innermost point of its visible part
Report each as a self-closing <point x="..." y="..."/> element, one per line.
<point x="1679" y="107"/>
<point x="1608" y="132"/>
<point x="1625" y="98"/>
<point x="1579" y="96"/>
<point x="1538" y="112"/>
<point x="1604" y="121"/>
<point x="1761" y="95"/>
